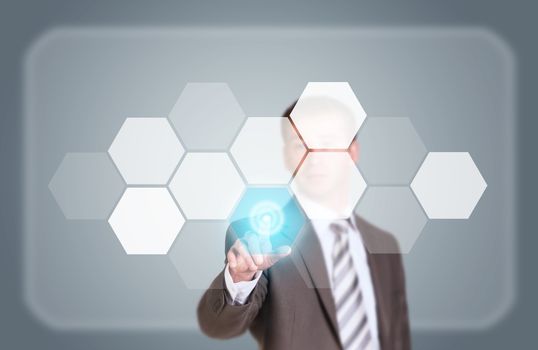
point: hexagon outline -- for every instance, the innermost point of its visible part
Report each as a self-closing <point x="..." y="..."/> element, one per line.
<point x="291" y="200"/>
<point x="86" y="216"/>
<point x="174" y="189"/>
<point x="134" y="205"/>
<point x="191" y="276"/>
<point x="240" y="159"/>
<point x="438" y="208"/>
<point x="404" y="245"/>
<point x="360" y="188"/>
<point x="127" y="140"/>
<point x="177" y="114"/>
<point x="339" y="92"/>
<point x="419" y="142"/>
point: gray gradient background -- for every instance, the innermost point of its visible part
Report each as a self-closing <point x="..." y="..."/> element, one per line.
<point x="81" y="83"/>
<point x="19" y="328"/>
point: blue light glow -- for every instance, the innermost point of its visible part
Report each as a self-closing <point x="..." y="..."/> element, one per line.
<point x="266" y="218"/>
<point x="269" y="212"/>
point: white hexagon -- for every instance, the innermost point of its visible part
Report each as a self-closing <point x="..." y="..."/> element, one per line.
<point x="328" y="185"/>
<point x="390" y="151"/>
<point x="86" y="186"/>
<point x="268" y="150"/>
<point x="395" y="210"/>
<point x="199" y="241"/>
<point x="448" y="185"/>
<point x="207" y="116"/>
<point x="146" y="151"/>
<point x="146" y="220"/>
<point x="207" y="185"/>
<point x="328" y="115"/>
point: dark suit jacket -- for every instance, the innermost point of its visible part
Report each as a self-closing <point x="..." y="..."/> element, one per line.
<point x="292" y="306"/>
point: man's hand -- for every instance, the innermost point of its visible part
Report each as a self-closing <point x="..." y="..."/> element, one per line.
<point x="251" y="254"/>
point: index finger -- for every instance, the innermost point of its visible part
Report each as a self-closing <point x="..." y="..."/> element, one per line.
<point x="254" y="248"/>
<point x="239" y="247"/>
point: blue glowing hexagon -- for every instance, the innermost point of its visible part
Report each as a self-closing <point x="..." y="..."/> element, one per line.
<point x="270" y="213"/>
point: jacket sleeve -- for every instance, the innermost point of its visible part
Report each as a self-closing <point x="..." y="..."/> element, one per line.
<point x="217" y="317"/>
<point x="220" y="319"/>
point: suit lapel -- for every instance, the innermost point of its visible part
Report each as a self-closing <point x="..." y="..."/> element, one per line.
<point x="312" y="256"/>
<point x="309" y="248"/>
<point x="376" y="274"/>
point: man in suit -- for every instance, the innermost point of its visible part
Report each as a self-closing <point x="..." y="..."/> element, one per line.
<point x="326" y="290"/>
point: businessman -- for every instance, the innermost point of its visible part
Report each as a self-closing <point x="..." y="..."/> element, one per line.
<point x="324" y="290"/>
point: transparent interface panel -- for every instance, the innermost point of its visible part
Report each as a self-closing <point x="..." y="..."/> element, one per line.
<point x="454" y="87"/>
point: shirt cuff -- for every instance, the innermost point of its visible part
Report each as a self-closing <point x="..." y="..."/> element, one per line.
<point x="239" y="292"/>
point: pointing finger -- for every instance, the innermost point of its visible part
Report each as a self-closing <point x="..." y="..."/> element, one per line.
<point x="242" y="251"/>
<point x="255" y="248"/>
<point x="280" y="253"/>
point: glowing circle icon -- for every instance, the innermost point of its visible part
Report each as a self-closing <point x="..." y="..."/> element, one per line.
<point x="266" y="218"/>
<point x="271" y="214"/>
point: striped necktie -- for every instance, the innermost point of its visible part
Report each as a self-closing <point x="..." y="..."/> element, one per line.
<point x="350" y="310"/>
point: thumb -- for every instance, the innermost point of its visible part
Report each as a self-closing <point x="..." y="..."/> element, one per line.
<point x="279" y="253"/>
<point x="284" y="250"/>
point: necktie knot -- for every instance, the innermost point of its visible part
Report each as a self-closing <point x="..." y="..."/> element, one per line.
<point x="339" y="227"/>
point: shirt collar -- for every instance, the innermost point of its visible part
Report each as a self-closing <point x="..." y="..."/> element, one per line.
<point x="323" y="224"/>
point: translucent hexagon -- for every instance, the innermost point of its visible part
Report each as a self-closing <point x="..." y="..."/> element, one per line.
<point x="391" y="151"/>
<point x="198" y="253"/>
<point x="328" y="185"/>
<point x="328" y="115"/>
<point x="207" y="116"/>
<point x="271" y="214"/>
<point x="146" y="220"/>
<point x="146" y="151"/>
<point x="207" y="185"/>
<point x="268" y="150"/>
<point x="86" y="186"/>
<point x="395" y="210"/>
<point x="448" y="185"/>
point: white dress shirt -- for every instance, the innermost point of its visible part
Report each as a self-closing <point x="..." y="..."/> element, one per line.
<point x="239" y="292"/>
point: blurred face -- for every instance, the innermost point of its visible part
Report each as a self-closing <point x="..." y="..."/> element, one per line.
<point x="293" y="152"/>
<point x="326" y="129"/>
<point x="324" y="177"/>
